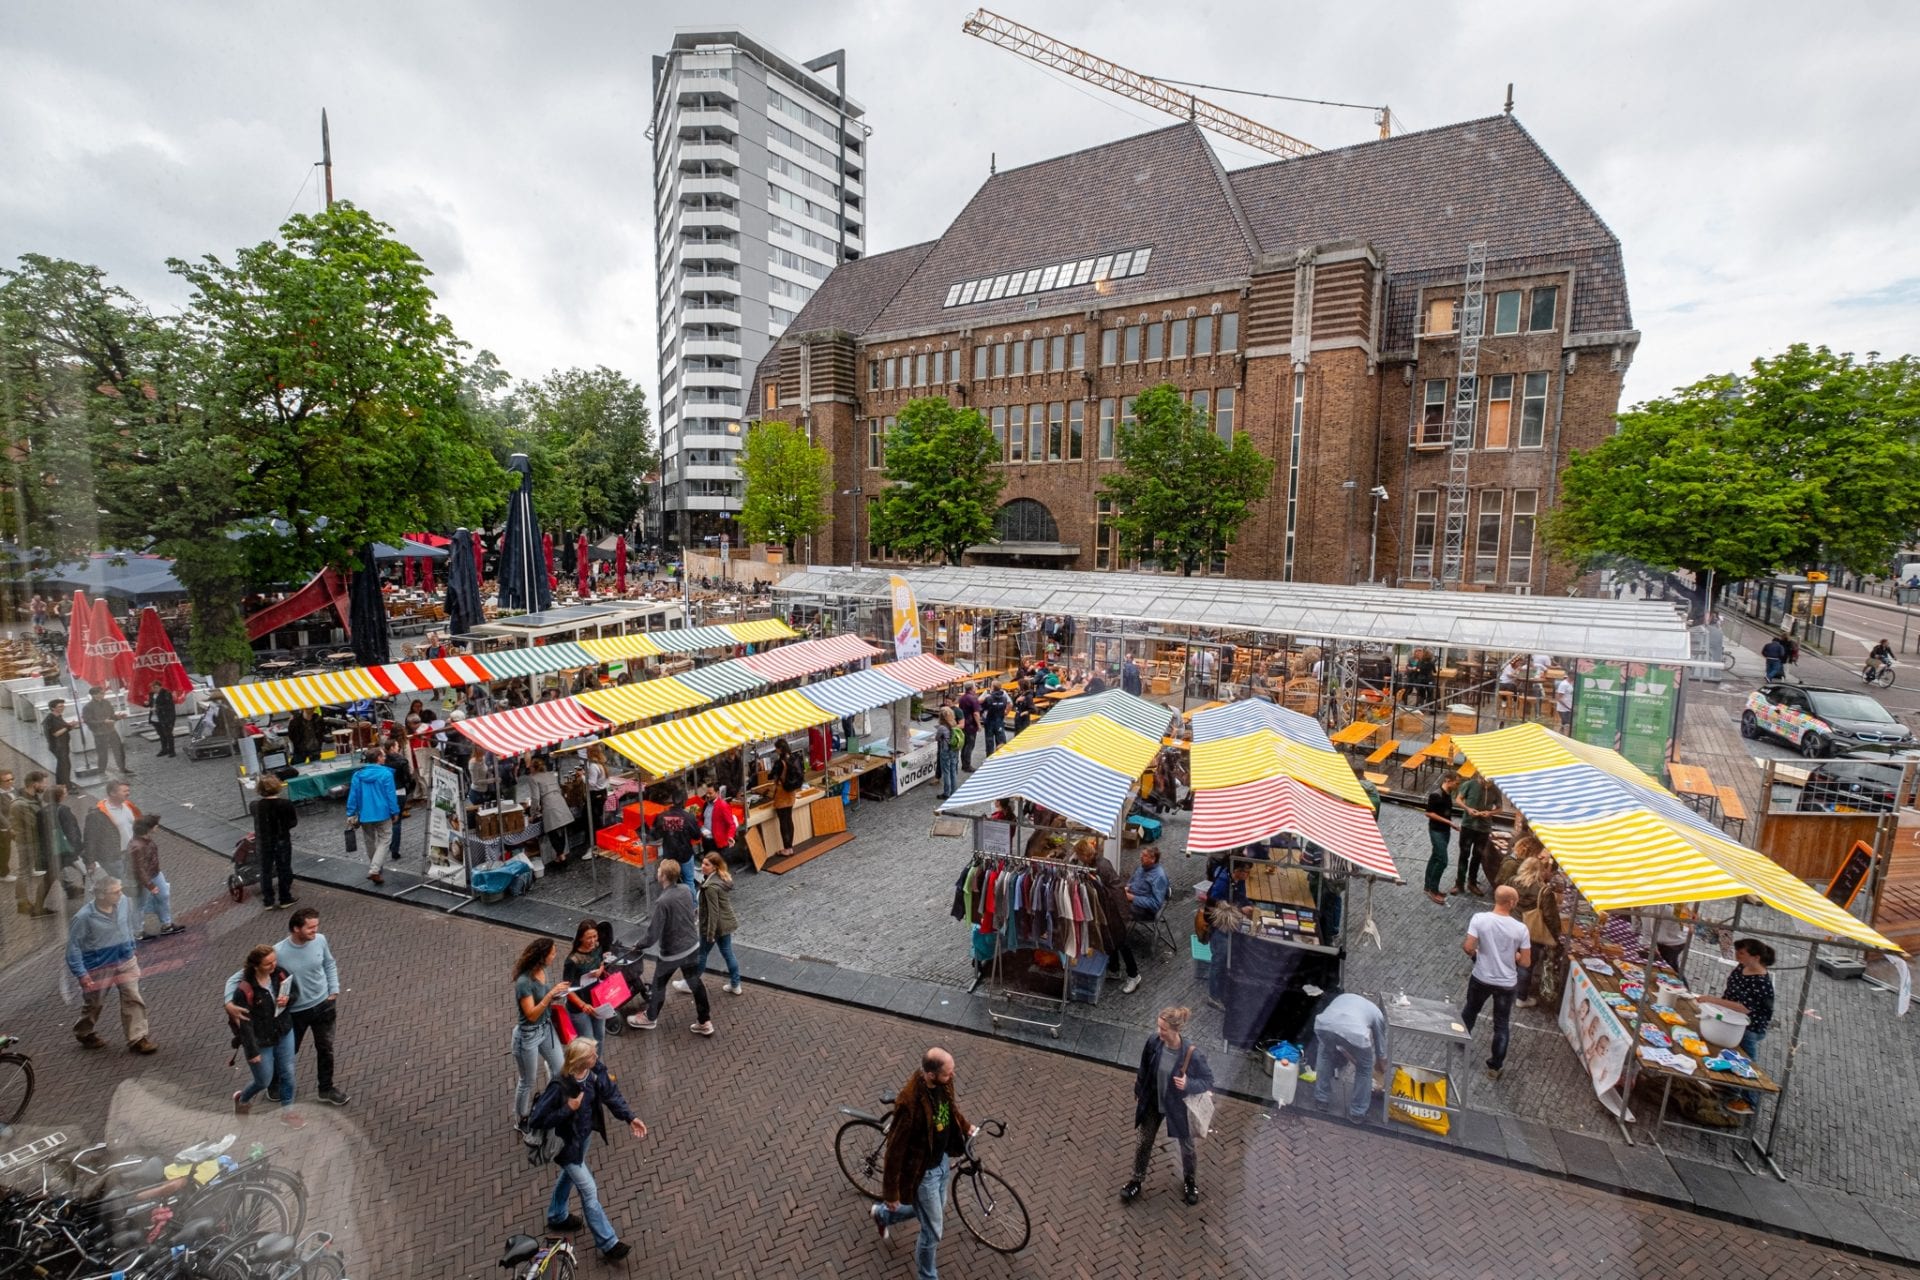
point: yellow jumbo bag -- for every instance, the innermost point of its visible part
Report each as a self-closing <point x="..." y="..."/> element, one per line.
<point x="1418" y="1098"/>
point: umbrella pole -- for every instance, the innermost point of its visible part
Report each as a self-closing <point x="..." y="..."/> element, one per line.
<point x="1793" y="1051"/>
<point x="86" y="769"/>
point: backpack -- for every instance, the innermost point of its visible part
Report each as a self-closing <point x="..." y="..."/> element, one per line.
<point x="794" y="775"/>
<point x="542" y="1141"/>
<point x="954" y="738"/>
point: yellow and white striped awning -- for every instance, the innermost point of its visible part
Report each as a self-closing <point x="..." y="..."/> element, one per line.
<point x="775" y="715"/>
<point x="760" y="631"/>
<point x="622" y="648"/>
<point x="642" y="700"/>
<point x="1252" y="757"/>
<point x="672" y="746"/>
<point x="271" y="697"/>
<point x="1102" y="740"/>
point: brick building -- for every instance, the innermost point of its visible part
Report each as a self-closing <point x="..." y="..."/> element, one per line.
<point x="1310" y="303"/>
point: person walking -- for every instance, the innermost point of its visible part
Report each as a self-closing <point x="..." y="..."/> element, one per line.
<point x="164" y="712"/>
<point x="1563" y="703"/>
<point x="928" y="1129"/>
<point x="265" y="1036"/>
<point x="109" y="830"/>
<point x="993" y="715"/>
<point x="100" y="958"/>
<point x="534" y="1038"/>
<point x="397" y="761"/>
<point x="103" y="722"/>
<point x="586" y="964"/>
<point x="33" y="860"/>
<point x="1475" y="798"/>
<point x="1775" y="654"/>
<point x="1440" y="829"/>
<point x="151" y="891"/>
<point x="1351" y="1031"/>
<point x="1499" y="946"/>
<point x="1172" y="1069"/>
<point x="969" y="726"/>
<point x="574" y="1108"/>
<point x="946" y="742"/>
<point x="58" y="732"/>
<point x="315" y="1007"/>
<point x="274" y="818"/>
<point x="372" y="804"/>
<point x="672" y="928"/>
<point x="1130" y="676"/>
<point x="69" y="845"/>
<point x="717" y="921"/>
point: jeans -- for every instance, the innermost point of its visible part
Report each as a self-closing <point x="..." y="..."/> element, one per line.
<point x="274" y="1069"/>
<point x="1437" y="839"/>
<point x="1143" y="1152"/>
<point x="532" y="1042"/>
<point x="948" y="761"/>
<point x="1222" y="946"/>
<point x="930" y="1206"/>
<point x="1477" y="993"/>
<point x="1776" y="669"/>
<point x="996" y="735"/>
<point x="159" y="901"/>
<point x="725" y="944"/>
<point x="318" y="1019"/>
<point x="687" y="968"/>
<point x="576" y="1176"/>
<point x="1750" y="1045"/>
<point x="1474" y="846"/>
<point x="393" y="845"/>
<point x="1329" y="1053"/>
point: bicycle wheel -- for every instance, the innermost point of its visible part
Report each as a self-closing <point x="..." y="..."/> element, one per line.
<point x="860" y="1146"/>
<point x="248" y="1209"/>
<point x="992" y="1211"/>
<point x="328" y="1266"/>
<point x="1884" y="677"/>
<point x="291" y="1189"/>
<point x="559" y="1267"/>
<point x="16" y="1086"/>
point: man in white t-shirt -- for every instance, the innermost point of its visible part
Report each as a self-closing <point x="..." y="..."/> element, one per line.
<point x="1563" y="703"/>
<point x="1499" y="945"/>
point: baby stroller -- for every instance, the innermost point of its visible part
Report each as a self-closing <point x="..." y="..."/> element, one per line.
<point x="629" y="961"/>
<point x="246" y="867"/>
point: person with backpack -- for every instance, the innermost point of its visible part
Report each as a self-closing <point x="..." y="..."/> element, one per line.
<point x="571" y="1111"/>
<point x="993" y="712"/>
<point x="789" y="777"/>
<point x="265" y="1035"/>
<point x="679" y="834"/>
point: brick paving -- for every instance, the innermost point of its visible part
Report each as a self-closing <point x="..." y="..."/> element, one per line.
<point x="421" y="1178"/>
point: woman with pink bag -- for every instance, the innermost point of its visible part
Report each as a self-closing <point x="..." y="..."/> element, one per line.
<point x="586" y="967"/>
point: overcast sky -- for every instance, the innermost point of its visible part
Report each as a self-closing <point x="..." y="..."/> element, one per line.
<point x="1748" y="155"/>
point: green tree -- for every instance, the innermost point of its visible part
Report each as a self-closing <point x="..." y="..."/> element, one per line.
<point x="942" y="491"/>
<point x="1181" y="489"/>
<point x="786" y="485"/>
<point x="587" y="433"/>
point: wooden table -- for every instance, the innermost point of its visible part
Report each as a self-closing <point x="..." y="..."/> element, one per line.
<point x="1357" y="734"/>
<point x="1695" y="784"/>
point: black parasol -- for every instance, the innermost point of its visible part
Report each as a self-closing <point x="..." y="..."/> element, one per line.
<point x="523" y="571"/>
<point x="367" y="614"/>
<point x="463" y="588"/>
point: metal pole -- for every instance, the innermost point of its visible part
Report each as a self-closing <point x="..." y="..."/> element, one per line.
<point x="1793" y="1051"/>
<point x="1373" y="545"/>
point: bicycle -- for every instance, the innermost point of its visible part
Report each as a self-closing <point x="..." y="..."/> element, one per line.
<point x="1878" y="673"/>
<point x="16" y="1081"/>
<point x="989" y="1208"/>
<point x="553" y="1260"/>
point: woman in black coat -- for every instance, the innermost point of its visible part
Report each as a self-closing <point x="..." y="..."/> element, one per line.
<point x="274" y="818"/>
<point x="1172" y="1069"/>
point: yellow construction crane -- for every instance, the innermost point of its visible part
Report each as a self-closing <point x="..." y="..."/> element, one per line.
<point x="1161" y="94"/>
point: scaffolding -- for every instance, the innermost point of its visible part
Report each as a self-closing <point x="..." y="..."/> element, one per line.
<point x="1466" y="403"/>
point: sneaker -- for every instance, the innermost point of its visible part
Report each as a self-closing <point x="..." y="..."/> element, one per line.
<point x="620" y="1250"/>
<point x="1493" y="1073"/>
<point x="8" y="879"/>
<point x="1189" y="1192"/>
<point x="335" y="1097"/>
<point x="571" y="1222"/>
<point x="143" y="1046"/>
<point x="879" y="1221"/>
<point x="732" y="988"/>
<point x="241" y="1108"/>
<point x="1739" y="1107"/>
<point x="41" y="912"/>
<point x="1528" y="1003"/>
<point x="701" y="1028"/>
<point x="641" y="1022"/>
<point x="292" y="1119"/>
<point x="1130" y="986"/>
<point x="172" y="929"/>
<point x="1130" y="1192"/>
<point x="376" y="877"/>
<point x="680" y="984"/>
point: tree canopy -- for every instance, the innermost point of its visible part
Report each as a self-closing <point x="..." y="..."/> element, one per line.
<point x="942" y="489"/>
<point x="786" y="485"/>
<point x="1181" y="490"/>
<point x="587" y="434"/>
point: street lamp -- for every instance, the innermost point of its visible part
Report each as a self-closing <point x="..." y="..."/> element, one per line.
<point x="856" y="493"/>
<point x="1379" y="493"/>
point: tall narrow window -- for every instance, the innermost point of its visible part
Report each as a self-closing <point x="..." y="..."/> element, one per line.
<point x="1078" y="360"/>
<point x="1126" y="413"/>
<point x="1109" y="346"/>
<point x="1056" y="431"/>
<point x="873" y="374"/>
<point x="979" y="363"/>
<point x="920" y="370"/>
<point x="1499" y="411"/>
<point x="1229" y="331"/>
<point x="1533" y="411"/>
<point x="1545" y="299"/>
<point x="1156" y="341"/>
<point x="1426" y="517"/>
<point x="1223" y="414"/>
<point x="770" y="394"/>
<point x="1203" y="401"/>
<point x="1036" y="433"/>
<point x="1526" y="506"/>
<point x="940" y="368"/>
<point x="1506" y="312"/>
<point x="1297" y="431"/>
<point x="999" y="419"/>
<point x="874" y="550"/>
<point x="1103" y="443"/>
<point x="889" y="366"/>
<point x="1017" y="433"/>
<point x="1133" y="344"/>
<point x="1177" y="341"/>
<point x="1076" y="430"/>
<point x="1019" y="359"/>
<point x="1486" y="543"/>
<point x="999" y="359"/>
<point x="1203" y="336"/>
<point x="1057" y="357"/>
<point x="1433" y="412"/>
<point x="1038" y="363"/>
<point x="1103" y="533"/>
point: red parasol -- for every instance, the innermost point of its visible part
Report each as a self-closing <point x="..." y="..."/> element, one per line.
<point x="426" y="574"/>
<point x="546" y="546"/>
<point x="79" y="636"/>
<point x="620" y="565"/>
<point x="110" y="643"/>
<point x="154" y="660"/>
<point x="479" y="561"/>
<point x="406" y="571"/>
<point x="583" y="573"/>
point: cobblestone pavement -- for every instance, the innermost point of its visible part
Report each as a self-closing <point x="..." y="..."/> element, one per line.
<point x="421" y="1178"/>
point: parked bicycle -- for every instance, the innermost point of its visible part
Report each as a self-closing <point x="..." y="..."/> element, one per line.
<point x="16" y="1081"/>
<point x="553" y="1259"/>
<point x="989" y="1208"/>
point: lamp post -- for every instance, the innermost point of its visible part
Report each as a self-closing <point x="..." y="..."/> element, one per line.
<point x="1379" y="493"/>
<point x="856" y="493"/>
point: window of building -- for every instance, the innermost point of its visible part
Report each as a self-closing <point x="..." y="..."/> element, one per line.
<point x="1506" y="312"/>
<point x="1230" y="331"/>
<point x="1486" y="543"/>
<point x="1058" y="356"/>
<point x="920" y="370"/>
<point x="1126" y="413"/>
<point x="1102" y="266"/>
<point x="1037" y="362"/>
<point x="1439" y="316"/>
<point x="1077" y="356"/>
<point x="1103" y="442"/>
<point x="940" y="367"/>
<point x="979" y="363"/>
<point x="1177" y="341"/>
<point x="1426" y="519"/>
<point x="770" y="394"/>
<point x="1156" y="341"/>
<point x="1133" y="344"/>
<point x="1017" y="433"/>
<point x="1526" y="507"/>
<point x="1433" y="412"/>
<point x="876" y="443"/>
<point x="1019" y="359"/>
<point x="1223" y="414"/>
<point x="1037" y="433"/>
<point x="891" y="369"/>
<point x="998" y="289"/>
<point x="1533" y="411"/>
<point x="1076" y="430"/>
<point x="873" y="374"/>
<point x="1109" y="346"/>
<point x="1500" y="411"/>
<point x="1047" y="277"/>
<point x="1203" y="402"/>
<point x="1025" y="520"/>
<point x="999" y="359"/>
<point x="998" y="417"/>
<point x="1203" y="336"/>
<point x="1105" y="537"/>
<point x="1541" y="313"/>
<point x="1056" y="431"/>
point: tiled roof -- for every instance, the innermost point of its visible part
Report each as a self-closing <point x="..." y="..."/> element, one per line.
<point x="1162" y="190"/>
<point x="856" y="291"/>
<point x="1421" y="197"/>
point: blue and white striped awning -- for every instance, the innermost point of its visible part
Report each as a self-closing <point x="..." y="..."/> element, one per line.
<point x="1149" y="718"/>
<point x="1251" y="716"/>
<point x="538" y="660"/>
<point x="1055" y="778"/>
<point x="1570" y="794"/>
<point x="855" y="692"/>
<point x="694" y="639"/>
<point x="722" y="679"/>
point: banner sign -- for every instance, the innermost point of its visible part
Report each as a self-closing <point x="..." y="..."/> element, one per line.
<point x="1598" y="1036"/>
<point x="1647" y="722"/>
<point x="906" y="619"/>
<point x="443" y="812"/>
<point x="1597" y="690"/>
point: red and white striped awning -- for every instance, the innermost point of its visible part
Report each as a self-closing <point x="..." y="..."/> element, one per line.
<point x="435" y="673"/>
<point x="792" y="661"/>
<point x="1228" y="817"/>
<point x="508" y="733"/>
<point x="922" y="672"/>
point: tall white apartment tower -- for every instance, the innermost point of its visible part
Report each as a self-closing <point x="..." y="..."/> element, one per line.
<point x="759" y="183"/>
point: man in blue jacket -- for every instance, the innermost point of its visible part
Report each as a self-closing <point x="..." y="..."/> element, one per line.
<point x="100" y="957"/>
<point x="373" y="802"/>
<point x="574" y="1108"/>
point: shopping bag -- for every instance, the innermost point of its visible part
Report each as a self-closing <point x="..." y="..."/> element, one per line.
<point x="353" y="839"/>
<point x="1200" y="1113"/>
<point x="1417" y="1098"/>
<point x="563" y="1023"/>
<point x="611" y="991"/>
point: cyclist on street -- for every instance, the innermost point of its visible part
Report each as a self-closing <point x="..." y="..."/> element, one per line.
<point x="927" y="1129"/>
<point x="1881" y="656"/>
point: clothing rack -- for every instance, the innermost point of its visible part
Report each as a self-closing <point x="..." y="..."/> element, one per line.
<point x="1016" y="998"/>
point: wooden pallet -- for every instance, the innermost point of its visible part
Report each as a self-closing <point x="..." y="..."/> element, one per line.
<point x="807" y="852"/>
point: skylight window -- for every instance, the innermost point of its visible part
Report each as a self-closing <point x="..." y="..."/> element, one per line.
<point x="1065" y="275"/>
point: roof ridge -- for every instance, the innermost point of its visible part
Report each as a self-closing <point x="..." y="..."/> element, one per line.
<point x="1086" y="150"/>
<point x="1232" y="197"/>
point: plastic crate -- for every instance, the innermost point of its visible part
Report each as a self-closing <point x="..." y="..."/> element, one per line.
<point x="1089" y="977"/>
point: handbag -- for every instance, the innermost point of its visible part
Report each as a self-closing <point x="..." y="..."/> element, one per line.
<point x="611" y="992"/>
<point x="1199" y="1105"/>
<point x="1536" y="922"/>
<point x="353" y="839"/>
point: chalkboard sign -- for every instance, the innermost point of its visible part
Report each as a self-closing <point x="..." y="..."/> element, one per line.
<point x="1846" y="882"/>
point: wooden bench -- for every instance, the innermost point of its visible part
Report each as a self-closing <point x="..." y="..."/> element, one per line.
<point x="1377" y="779"/>
<point x="1385" y="752"/>
<point x="1732" y="811"/>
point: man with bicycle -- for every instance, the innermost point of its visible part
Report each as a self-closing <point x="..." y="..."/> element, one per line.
<point x="1880" y="659"/>
<point x="927" y="1129"/>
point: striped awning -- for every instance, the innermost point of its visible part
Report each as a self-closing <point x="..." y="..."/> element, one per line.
<point x="1229" y="817"/>
<point x="435" y="673"/>
<point x="270" y="697"/>
<point x="673" y="746"/>
<point x="923" y="672"/>
<point x="1103" y="741"/>
<point x="536" y="661"/>
<point x="778" y="714"/>
<point x="1252" y="714"/>
<point x="642" y="700"/>
<point x="1149" y="718"/>
<point x="792" y="661"/>
<point x="857" y="691"/>
<point x="759" y="632"/>
<point x="1628" y="842"/>
<point x="623" y="648"/>
<point x="695" y="639"/>
<point x="1055" y="778"/>
<point x="509" y="733"/>
<point x="722" y="680"/>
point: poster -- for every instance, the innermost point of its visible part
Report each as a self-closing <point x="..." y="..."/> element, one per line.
<point x="906" y="619"/>
<point x="992" y="836"/>
<point x="1647" y="723"/>
<point x="1597" y="690"/>
<point x="915" y="767"/>
<point x="966" y="637"/>
<point x="1598" y="1036"/>
<point x="443" y="807"/>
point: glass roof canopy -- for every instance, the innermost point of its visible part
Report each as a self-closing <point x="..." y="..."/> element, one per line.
<point x="1610" y="630"/>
